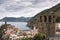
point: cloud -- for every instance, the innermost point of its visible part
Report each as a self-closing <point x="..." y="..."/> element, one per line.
<point x="18" y="8"/>
<point x="14" y="8"/>
<point x="2" y="1"/>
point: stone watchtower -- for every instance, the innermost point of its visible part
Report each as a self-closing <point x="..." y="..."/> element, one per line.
<point x="47" y="24"/>
<point x="45" y="21"/>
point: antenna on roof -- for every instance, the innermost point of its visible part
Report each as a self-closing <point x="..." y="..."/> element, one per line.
<point x="5" y="22"/>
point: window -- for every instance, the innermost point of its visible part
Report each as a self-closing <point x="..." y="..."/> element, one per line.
<point x="40" y="18"/>
<point x="45" y="19"/>
<point x="36" y="27"/>
<point x="53" y="16"/>
<point x="49" y="19"/>
<point x="53" y="19"/>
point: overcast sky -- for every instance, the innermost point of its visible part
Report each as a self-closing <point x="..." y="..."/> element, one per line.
<point x="25" y="8"/>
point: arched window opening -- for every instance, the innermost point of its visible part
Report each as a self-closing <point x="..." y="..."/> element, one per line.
<point x="40" y="18"/>
<point x="45" y="19"/>
<point x="49" y="18"/>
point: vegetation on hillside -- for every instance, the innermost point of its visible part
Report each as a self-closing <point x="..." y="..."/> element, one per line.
<point x="2" y="30"/>
<point x="58" y="20"/>
<point x="53" y="9"/>
<point x="38" y="36"/>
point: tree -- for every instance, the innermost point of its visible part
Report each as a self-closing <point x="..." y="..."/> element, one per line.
<point x="2" y="29"/>
<point x="30" y="38"/>
<point x="24" y="38"/>
<point x="58" y="19"/>
<point x="39" y="36"/>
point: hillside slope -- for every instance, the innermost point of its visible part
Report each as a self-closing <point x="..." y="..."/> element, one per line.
<point x="53" y="9"/>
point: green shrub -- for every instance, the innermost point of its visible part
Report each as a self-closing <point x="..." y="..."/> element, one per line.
<point x="39" y="36"/>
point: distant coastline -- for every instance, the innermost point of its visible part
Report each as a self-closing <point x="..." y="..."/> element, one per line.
<point x="13" y="19"/>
